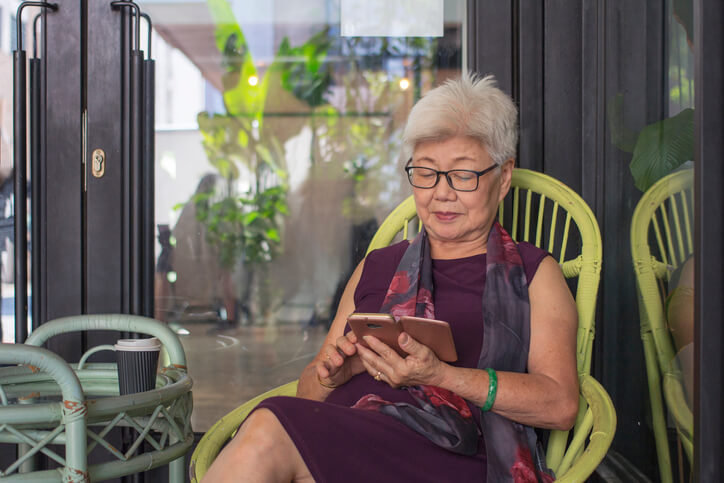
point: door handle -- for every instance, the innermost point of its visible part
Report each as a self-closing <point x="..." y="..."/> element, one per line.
<point x="134" y="171"/>
<point x="20" y="160"/>
<point x="37" y="107"/>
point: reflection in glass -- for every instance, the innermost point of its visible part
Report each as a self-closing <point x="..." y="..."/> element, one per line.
<point x="650" y="125"/>
<point x="662" y="249"/>
<point x="277" y="156"/>
<point x="662" y="165"/>
<point x="679" y="312"/>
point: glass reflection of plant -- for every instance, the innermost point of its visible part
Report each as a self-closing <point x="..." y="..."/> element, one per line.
<point x="370" y="140"/>
<point x="351" y="140"/>
<point x="372" y="136"/>
<point x="354" y="138"/>
<point x="243" y="225"/>
<point x="306" y="75"/>
<point x="663" y="146"/>
<point x="358" y="138"/>
<point x="246" y="224"/>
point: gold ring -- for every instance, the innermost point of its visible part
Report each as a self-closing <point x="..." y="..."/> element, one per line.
<point x="377" y="376"/>
<point x="328" y="357"/>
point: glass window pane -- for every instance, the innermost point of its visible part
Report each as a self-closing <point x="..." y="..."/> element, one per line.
<point x="277" y="144"/>
<point x="649" y="201"/>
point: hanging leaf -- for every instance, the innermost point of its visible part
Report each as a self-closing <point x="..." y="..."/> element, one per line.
<point x="662" y="147"/>
<point x="243" y="138"/>
<point x="273" y="234"/>
<point x="304" y="73"/>
<point x="250" y="217"/>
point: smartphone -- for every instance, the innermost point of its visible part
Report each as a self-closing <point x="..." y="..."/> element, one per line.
<point x="382" y="326"/>
<point x="435" y="334"/>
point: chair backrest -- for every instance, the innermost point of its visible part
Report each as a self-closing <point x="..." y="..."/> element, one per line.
<point x="661" y="241"/>
<point x="543" y="211"/>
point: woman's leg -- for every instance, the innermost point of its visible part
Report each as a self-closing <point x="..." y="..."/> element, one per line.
<point x="262" y="451"/>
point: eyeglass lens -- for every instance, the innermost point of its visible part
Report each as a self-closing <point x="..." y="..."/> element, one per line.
<point x="459" y="179"/>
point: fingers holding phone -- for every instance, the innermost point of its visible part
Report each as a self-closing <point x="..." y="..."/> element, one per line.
<point x="346" y="344"/>
<point x="339" y="362"/>
<point x="330" y="360"/>
<point x="420" y="366"/>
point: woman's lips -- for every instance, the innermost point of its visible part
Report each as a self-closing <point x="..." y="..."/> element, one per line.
<point x="446" y="215"/>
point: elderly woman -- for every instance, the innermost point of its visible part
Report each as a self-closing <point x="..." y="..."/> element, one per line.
<point x="368" y="414"/>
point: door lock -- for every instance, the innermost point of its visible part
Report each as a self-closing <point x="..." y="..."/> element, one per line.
<point x="98" y="167"/>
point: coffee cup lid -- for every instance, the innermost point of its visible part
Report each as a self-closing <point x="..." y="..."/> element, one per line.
<point x="138" y="345"/>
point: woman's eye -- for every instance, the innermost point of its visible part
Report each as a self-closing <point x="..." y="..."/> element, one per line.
<point x="462" y="176"/>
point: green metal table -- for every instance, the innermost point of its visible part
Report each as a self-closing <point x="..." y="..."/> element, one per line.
<point x="45" y="401"/>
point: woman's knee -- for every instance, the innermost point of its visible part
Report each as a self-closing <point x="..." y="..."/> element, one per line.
<point x="262" y="450"/>
<point x="263" y="429"/>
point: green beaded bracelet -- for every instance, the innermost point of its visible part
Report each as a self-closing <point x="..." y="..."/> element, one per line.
<point x="492" y="389"/>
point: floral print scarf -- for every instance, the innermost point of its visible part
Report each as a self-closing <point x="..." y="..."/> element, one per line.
<point x="442" y="416"/>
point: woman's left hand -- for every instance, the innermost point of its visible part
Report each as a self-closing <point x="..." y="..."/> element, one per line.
<point x="421" y="366"/>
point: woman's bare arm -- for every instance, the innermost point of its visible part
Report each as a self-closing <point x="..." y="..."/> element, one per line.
<point x="547" y="396"/>
<point x="309" y="386"/>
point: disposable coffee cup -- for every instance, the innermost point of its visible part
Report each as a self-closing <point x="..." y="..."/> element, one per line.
<point x="137" y="364"/>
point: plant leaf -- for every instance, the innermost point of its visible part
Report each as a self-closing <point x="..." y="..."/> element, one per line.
<point x="250" y="217"/>
<point x="273" y="234"/>
<point x="662" y="147"/>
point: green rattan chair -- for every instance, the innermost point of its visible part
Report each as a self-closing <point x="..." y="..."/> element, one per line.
<point x="661" y="240"/>
<point x="543" y="211"/>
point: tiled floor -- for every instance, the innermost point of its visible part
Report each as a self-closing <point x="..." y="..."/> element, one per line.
<point x="231" y="366"/>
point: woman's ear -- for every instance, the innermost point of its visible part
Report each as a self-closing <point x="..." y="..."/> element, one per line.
<point x="506" y="175"/>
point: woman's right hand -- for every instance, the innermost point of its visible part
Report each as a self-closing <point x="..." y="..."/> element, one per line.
<point x="338" y="363"/>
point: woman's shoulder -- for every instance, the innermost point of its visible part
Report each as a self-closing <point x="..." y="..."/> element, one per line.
<point x="381" y="263"/>
<point x="379" y="267"/>
<point x="532" y="256"/>
<point x="388" y="254"/>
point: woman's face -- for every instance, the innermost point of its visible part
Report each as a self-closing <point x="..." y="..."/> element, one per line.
<point x="459" y="221"/>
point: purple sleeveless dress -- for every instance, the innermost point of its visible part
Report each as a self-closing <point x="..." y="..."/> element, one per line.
<point x="341" y="443"/>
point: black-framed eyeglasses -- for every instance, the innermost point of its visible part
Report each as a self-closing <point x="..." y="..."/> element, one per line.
<point x="457" y="179"/>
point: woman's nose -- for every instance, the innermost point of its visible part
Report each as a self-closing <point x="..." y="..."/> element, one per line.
<point x="443" y="190"/>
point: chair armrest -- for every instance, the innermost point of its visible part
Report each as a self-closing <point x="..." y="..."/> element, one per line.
<point x="680" y="410"/>
<point x="120" y="322"/>
<point x="600" y="421"/>
<point x="45" y="361"/>
<point x="72" y="408"/>
<point x="215" y="438"/>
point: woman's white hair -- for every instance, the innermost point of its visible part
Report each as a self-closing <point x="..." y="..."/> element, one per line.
<point x="469" y="106"/>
